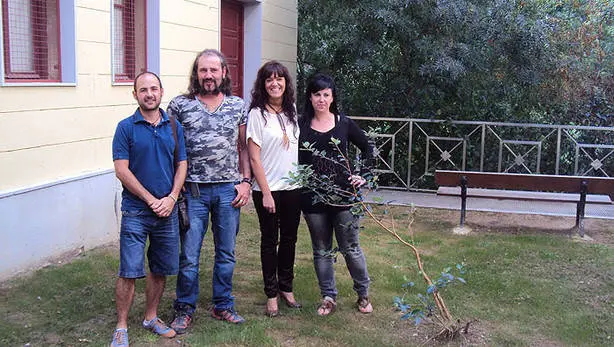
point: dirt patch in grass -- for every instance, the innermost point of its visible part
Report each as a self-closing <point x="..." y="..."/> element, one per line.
<point x="161" y="342"/>
<point x="600" y="230"/>
<point x="52" y="339"/>
<point x="288" y="338"/>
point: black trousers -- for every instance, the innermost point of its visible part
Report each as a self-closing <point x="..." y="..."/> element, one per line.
<point x="278" y="239"/>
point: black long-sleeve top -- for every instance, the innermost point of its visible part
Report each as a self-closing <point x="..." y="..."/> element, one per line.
<point x="346" y="131"/>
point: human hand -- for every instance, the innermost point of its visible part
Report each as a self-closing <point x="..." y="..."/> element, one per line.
<point x="243" y="191"/>
<point x="268" y="203"/>
<point x="163" y="207"/>
<point x="356" y="181"/>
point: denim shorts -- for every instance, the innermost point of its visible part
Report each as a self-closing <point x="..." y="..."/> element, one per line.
<point x="163" y="250"/>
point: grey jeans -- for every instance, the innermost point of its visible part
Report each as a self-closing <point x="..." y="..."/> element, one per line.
<point x="345" y="227"/>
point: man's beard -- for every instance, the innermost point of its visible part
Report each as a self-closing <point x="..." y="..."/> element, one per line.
<point x="204" y="91"/>
<point x="146" y="107"/>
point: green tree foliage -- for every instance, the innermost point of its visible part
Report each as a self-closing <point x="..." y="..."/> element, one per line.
<point x="583" y="85"/>
<point x="542" y="61"/>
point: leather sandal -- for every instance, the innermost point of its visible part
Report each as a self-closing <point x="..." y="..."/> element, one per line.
<point x="291" y="304"/>
<point x="269" y="312"/>
<point x="327" y="306"/>
<point x="364" y="304"/>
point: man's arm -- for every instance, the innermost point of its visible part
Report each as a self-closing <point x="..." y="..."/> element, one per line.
<point x="180" y="174"/>
<point x="244" y="166"/>
<point x="162" y="207"/>
<point x="181" y="169"/>
<point x="127" y="178"/>
<point x="243" y="188"/>
<point x="168" y="202"/>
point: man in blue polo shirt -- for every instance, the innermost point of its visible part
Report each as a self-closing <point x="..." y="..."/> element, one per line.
<point x="152" y="169"/>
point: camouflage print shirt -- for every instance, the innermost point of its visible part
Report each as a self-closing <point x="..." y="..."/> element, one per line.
<point x="210" y="137"/>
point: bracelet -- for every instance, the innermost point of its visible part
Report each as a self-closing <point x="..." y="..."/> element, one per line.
<point x="247" y="180"/>
<point x="172" y="197"/>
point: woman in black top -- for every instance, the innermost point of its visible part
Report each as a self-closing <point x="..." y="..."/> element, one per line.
<point x="322" y="122"/>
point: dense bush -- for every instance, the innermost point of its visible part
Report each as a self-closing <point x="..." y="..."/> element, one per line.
<point x="541" y="61"/>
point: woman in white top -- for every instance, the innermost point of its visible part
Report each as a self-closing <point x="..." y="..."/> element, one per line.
<point x="272" y="139"/>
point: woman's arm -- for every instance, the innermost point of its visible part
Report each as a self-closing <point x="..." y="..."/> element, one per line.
<point x="361" y="140"/>
<point x="255" y="126"/>
<point x="254" y="158"/>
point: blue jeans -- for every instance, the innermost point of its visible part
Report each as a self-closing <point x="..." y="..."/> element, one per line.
<point x="209" y="200"/>
<point x="163" y="251"/>
<point x="345" y="227"/>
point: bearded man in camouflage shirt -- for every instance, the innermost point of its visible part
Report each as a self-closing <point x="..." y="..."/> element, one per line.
<point x="218" y="183"/>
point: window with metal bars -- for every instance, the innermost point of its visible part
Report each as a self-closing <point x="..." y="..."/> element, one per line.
<point x="129" y="39"/>
<point x="31" y="40"/>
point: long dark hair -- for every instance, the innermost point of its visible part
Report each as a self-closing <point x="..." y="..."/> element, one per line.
<point x="260" y="97"/>
<point x="316" y="83"/>
<point x="194" y="88"/>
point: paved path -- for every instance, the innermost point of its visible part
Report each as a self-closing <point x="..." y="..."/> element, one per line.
<point x="421" y="199"/>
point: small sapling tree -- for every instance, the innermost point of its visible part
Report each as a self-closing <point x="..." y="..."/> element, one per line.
<point x="429" y="307"/>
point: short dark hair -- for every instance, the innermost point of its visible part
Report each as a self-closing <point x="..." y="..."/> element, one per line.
<point x="316" y="83"/>
<point x="194" y="87"/>
<point x="146" y="73"/>
<point x="260" y="97"/>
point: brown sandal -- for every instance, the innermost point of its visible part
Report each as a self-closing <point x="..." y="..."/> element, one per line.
<point x="327" y="306"/>
<point x="364" y="304"/>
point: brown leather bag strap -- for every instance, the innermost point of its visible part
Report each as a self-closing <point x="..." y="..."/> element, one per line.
<point x="174" y="127"/>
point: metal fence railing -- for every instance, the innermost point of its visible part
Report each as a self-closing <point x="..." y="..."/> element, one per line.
<point x="409" y="150"/>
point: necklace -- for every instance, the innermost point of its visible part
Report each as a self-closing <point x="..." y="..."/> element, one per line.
<point x="154" y="123"/>
<point x="285" y="140"/>
<point x="274" y="109"/>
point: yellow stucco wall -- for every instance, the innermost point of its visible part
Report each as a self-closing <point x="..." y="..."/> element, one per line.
<point x="49" y="133"/>
<point x="55" y="132"/>
<point x="186" y="28"/>
<point x="280" y="32"/>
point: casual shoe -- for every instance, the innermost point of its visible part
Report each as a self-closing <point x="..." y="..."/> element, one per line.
<point x="228" y="315"/>
<point x="120" y="338"/>
<point x="181" y="322"/>
<point x="327" y="306"/>
<point x="364" y="304"/>
<point x="157" y="326"/>
<point x="286" y="299"/>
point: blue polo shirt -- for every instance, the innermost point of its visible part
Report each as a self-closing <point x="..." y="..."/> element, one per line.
<point x="150" y="152"/>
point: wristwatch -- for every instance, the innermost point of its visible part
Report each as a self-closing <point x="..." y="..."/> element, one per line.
<point x="247" y="180"/>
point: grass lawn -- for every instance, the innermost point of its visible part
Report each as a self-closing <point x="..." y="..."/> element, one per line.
<point x="527" y="285"/>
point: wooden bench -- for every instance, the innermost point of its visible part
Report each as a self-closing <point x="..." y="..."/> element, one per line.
<point x="497" y="185"/>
